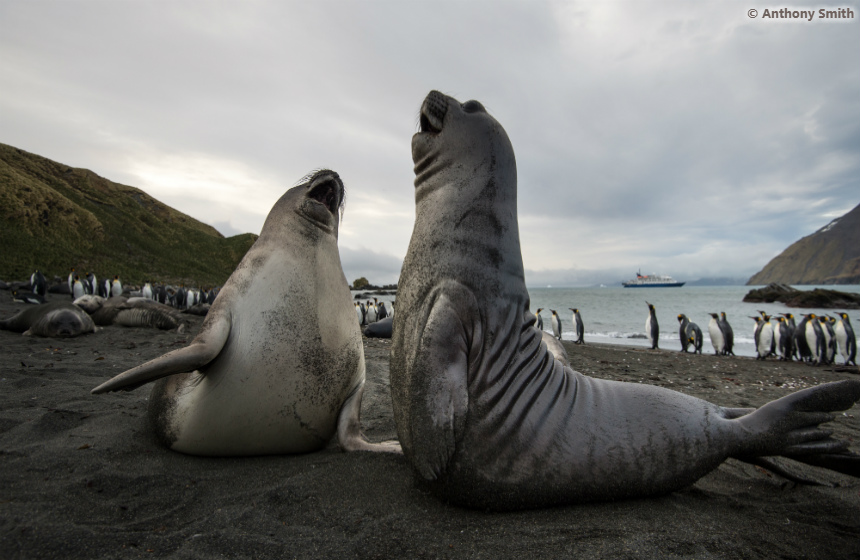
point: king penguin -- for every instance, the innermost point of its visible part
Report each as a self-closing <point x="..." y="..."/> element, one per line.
<point x="72" y="282"/>
<point x="556" y="324"/>
<point x="38" y="284"/>
<point x="764" y="346"/>
<point x="683" y="333"/>
<point x="791" y="328"/>
<point x="696" y="338"/>
<point x="728" y="334"/>
<point x="578" y="326"/>
<point x="539" y="319"/>
<point x="782" y="335"/>
<point x="652" y="328"/>
<point x="371" y="315"/>
<point x="91" y="284"/>
<point x="845" y="339"/>
<point x="829" y="338"/>
<point x="147" y="291"/>
<point x="718" y="339"/>
<point x="116" y="287"/>
<point x="77" y="288"/>
<point x="381" y="312"/>
<point x="814" y="338"/>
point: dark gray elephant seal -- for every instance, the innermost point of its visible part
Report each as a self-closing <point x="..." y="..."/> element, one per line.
<point x="278" y="365"/>
<point x="379" y="329"/>
<point x="486" y="416"/>
<point x="55" y="319"/>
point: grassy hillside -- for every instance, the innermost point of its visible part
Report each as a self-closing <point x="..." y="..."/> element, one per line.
<point x="831" y="255"/>
<point x="54" y="217"/>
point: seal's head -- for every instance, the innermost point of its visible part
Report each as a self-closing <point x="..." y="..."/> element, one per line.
<point x="62" y="323"/>
<point x="317" y="200"/>
<point x="455" y="137"/>
<point x="90" y="303"/>
<point x="465" y="196"/>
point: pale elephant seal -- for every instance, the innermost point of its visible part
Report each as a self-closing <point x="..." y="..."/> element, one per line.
<point x="485" y="414"/>
<point x="278" y="365"/>
<point x="55" y="319"/>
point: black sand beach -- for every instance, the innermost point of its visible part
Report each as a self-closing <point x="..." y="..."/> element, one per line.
<point x="81" y="476"/>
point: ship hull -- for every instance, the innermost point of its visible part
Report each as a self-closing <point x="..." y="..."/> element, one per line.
<point x="654" y="285"/>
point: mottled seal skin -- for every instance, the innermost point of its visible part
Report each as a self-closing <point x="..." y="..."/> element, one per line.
<point x="54" y="319"/>
<point x="485" y="414"/>
<point x="278" y="365"/>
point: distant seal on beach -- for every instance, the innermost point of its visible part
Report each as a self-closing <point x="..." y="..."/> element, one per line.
<point x="379" y="329"/>
<point x="130" y="312"/>
<point x="278" y="364"/>
<point x="486" y="416"/>
<point x="55" y="319"/>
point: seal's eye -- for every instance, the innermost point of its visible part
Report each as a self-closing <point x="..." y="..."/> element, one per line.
<point x="473" y="107"/>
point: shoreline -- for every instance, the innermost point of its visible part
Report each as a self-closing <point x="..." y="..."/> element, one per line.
<point x="82" y="476"/>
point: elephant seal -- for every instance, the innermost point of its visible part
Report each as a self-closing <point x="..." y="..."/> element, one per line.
<point x="131" y="312"/>
<point x="55" y="319"/>
<point x="485" y="414"/>
<point x="278" y="364"/>
<point x="379" y="329"/>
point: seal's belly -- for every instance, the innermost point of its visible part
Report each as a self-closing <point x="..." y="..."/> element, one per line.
<point x="273" y="390"/>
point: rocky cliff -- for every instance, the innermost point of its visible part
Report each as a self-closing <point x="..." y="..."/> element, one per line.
<point x="831" y="255"/>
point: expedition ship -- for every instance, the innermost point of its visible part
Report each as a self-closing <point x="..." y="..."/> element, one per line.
<point x="653" y="281"/>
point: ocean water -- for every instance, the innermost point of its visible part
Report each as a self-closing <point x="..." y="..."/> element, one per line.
<point x="614" y="315"/>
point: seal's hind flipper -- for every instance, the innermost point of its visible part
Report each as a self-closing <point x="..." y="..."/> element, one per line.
<point x="789" y="426"/>
<point x="349" y="434"/>
<point x="200" y="352"/>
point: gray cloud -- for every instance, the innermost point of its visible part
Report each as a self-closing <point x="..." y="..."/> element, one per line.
<point x="682" y="138"/>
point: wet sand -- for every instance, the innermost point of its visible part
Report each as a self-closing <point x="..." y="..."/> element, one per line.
<point x="82" y="476"/>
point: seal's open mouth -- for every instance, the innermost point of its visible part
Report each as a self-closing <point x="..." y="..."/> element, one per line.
<point x="433" y="112"/>
<point x="327" y="191"/>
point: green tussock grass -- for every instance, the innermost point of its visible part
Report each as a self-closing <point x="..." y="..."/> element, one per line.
<point x="54" y="217"/>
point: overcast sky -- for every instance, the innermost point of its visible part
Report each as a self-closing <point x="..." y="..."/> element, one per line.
<point x="682" y="138"/>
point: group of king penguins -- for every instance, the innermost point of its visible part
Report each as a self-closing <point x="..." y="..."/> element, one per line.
<point x="178" y="297"/>
<point x="373" y="311"/>
<point x="90" y="286"/>
<point x="555" y="320"/>
<point x="815" y="339"/>
<point x="181" y="297"/>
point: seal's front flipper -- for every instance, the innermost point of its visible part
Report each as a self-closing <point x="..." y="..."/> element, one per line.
<point x="439" y="384"/>
<point x="200" y="352"/>
<point x="349" y="434"/>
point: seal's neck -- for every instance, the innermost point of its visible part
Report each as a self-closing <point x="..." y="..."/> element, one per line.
<point x="466" y="223"/>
